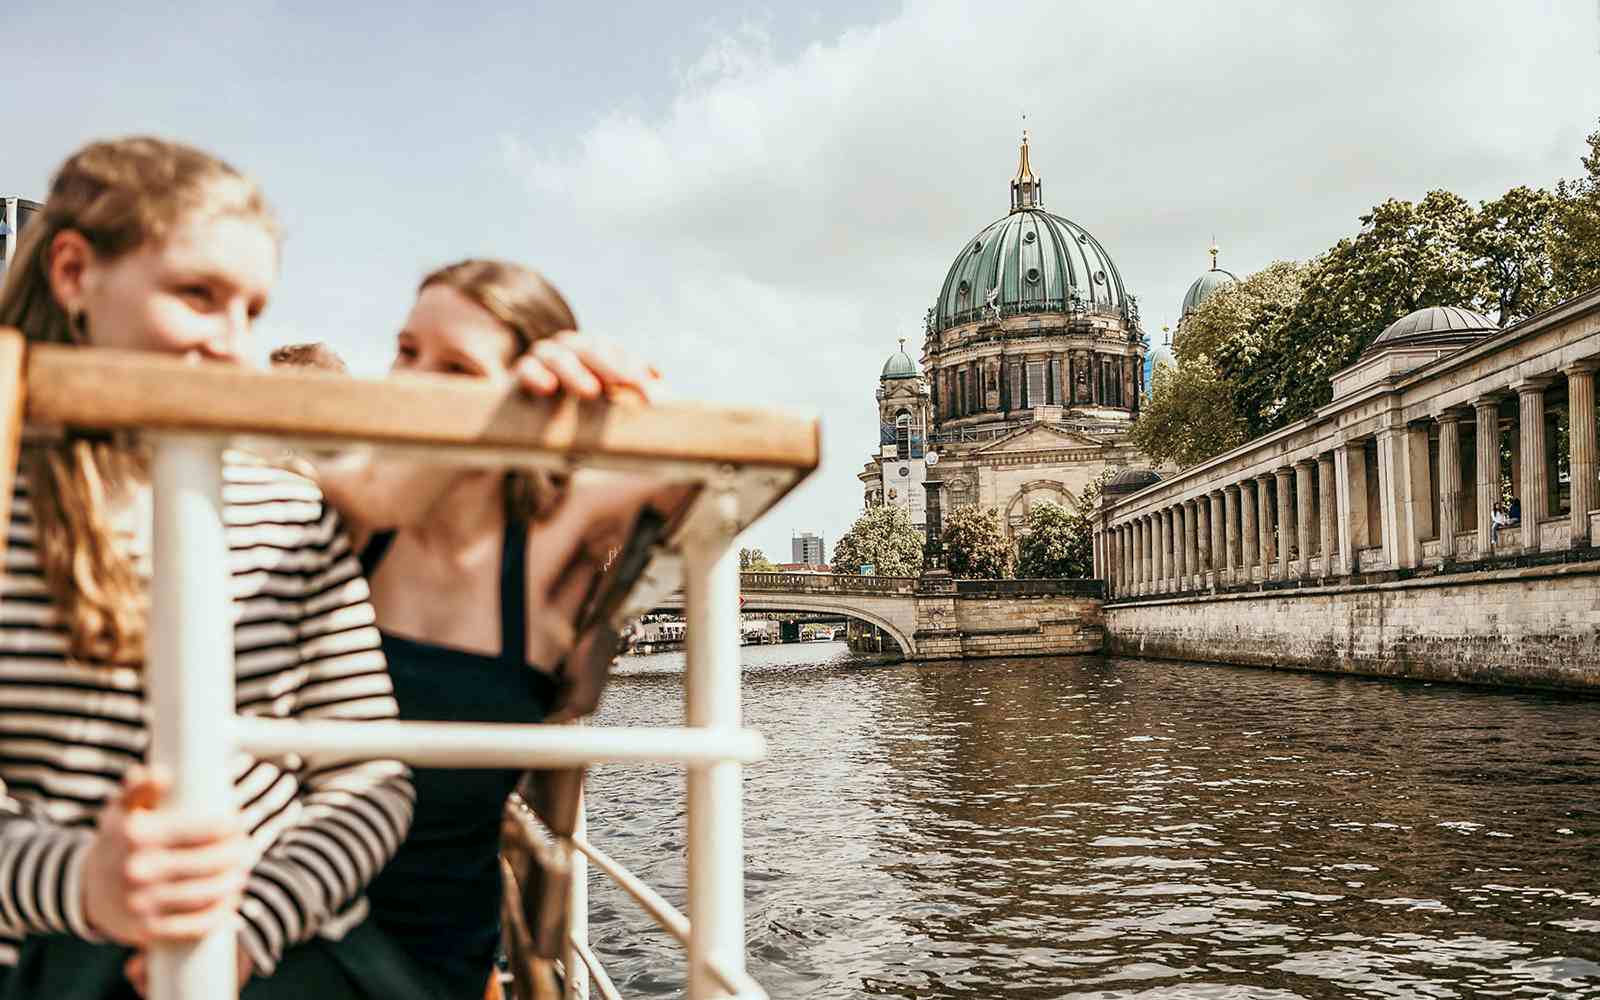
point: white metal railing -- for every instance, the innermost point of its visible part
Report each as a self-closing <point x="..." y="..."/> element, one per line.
<point x="190" y="676"/>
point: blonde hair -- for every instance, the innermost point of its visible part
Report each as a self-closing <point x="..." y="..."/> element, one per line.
<point x="531" y="308"/>
<point x="118" y="195"/>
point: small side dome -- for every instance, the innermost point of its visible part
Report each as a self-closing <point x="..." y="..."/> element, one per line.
<point x="899" y="364"/>
<point x="1130" y="481"/>
<point x="1203" y="286"/>
<point x="1206" y="284"/>
<point x="1435" y="325"/>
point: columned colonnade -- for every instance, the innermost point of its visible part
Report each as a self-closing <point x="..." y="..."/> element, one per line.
<point x="1407" y="474"/>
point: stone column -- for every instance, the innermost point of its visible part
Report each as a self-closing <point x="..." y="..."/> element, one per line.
<point x="1249" y="531"/>
<point x="1163" y="539"/>
<point x="1581" y="432"/>
<point x="1420" y="508"/>
<point x="1328" y="509"/>
<point x="1535" y="488"/>
<point x="1488" y="433"/>
<point x="1151" y="538"/>
<point x="1354" y="518"/>
<point x="1191" y="543"/>
<point x="1094" y="378"/>
<point x="1180" y="548"/>
<point x="1449" y="482"/>
<point x="1179" y="570"/>
<point x="1230" y="530"/>
<point x="1286" y="525"/>
<point x="1211" y="554"/>
<point x="1141" y="535"/>
<point x="1141" y="554"/>
<point x="1393" y="475"/>
<point x="1264" y="523"/>
<point x="1303" y="492"/>
<point x="1118" y="560"/>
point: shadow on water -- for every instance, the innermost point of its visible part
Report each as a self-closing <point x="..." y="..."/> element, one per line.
<point x="1128" y="829"/>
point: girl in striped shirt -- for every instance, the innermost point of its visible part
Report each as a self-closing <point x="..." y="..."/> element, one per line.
<point x="152" y="246"/>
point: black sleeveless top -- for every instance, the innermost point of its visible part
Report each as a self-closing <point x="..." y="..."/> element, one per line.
<point x="439" y="898"/>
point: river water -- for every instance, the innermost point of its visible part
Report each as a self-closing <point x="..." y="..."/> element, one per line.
<point x="1113" y="828"/>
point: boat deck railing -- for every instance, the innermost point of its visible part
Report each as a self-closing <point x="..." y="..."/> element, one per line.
<point x="739" y="462"/>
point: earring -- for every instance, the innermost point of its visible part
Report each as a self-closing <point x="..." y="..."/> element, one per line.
<point x="78" y="321"/>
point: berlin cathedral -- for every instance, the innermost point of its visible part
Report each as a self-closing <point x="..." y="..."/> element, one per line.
<point x="1033" y="361"/>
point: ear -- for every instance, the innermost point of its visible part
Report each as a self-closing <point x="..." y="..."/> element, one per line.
<point x="70" y="263"/>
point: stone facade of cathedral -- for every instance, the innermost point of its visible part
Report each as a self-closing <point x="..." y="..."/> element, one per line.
<point x="1029" y="378"/>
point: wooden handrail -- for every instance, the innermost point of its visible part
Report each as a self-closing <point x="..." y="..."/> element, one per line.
<point x="105" y="389"/>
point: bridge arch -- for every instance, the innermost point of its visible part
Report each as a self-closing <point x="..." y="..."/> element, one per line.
<point x="811" y="604"/>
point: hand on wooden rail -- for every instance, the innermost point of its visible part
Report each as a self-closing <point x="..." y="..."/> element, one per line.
<point x="585" y="366"/>
<point x="157" y="876"/>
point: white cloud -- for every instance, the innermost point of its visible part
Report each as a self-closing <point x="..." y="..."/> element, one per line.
<point x="772" y="231"/>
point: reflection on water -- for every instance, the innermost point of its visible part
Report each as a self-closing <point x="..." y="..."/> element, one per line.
<point x="1127" y="828"/>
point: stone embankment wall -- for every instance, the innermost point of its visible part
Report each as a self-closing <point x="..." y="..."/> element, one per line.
<point x="987" y="618"/>
<point x="1526" y="626"/>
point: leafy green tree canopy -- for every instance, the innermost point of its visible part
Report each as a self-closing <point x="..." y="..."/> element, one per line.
<point x="975" y="544"/>
<point x="755" y="561"/>
<point x="1059" y="543"/>
<point x="883" y="538"/>
<point x="1258" y="355"/>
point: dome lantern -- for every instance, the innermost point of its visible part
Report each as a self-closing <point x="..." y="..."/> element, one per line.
<point x="1027" y="191"/>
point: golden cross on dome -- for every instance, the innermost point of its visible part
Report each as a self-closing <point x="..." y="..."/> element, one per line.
<point x="1213" y="252"/>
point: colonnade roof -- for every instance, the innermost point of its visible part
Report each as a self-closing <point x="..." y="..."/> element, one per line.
<point x="1526" y="353"/>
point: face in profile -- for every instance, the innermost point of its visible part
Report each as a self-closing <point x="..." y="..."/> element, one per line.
<point x="449" y="334"/>
<point x="196" y="293"/>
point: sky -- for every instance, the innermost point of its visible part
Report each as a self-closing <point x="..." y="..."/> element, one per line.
<point x="762" y="199"/>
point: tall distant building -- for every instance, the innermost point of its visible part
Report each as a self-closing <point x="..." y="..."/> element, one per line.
<point x="808" y="549"/>
<point x="14" y="214"/>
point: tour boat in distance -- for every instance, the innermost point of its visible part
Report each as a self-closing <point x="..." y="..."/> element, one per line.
<point x="732" y="464"/>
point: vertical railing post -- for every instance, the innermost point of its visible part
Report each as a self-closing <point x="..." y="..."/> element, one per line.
<point x="189" y="678"/>
<point x="715" y="807"/>
<point x="576" y="984"/>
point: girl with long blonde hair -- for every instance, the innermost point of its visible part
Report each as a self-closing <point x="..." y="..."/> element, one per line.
<point x="148" y="245"/>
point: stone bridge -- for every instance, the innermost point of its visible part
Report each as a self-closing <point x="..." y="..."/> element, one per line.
<point x="937" y="618"/>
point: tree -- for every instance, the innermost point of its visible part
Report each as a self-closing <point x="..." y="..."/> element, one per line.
<point x="1259" y="354"/>
<point x="1575" y="243"/>
<point x="1194" y="407"/>
<point x="1512" y="238"/>
<point x="755" y="561"/>
<point x="883" y="538"/>
<point x="975" y="544"/>
<point x="1059" y="543"/>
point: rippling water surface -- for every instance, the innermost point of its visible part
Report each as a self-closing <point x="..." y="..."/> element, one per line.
<point x="1128" y="829"/>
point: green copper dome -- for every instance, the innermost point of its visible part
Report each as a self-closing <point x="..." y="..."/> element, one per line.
<point x="1203" y="287"/>
<point x="1035" y="262"/>
<point x="899" y="365"/>
<point x="1029" y="262"/>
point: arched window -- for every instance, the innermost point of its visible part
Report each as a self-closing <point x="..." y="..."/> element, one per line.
<point x="902" y="434"/>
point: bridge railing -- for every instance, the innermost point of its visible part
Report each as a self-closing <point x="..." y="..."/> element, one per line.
<point x="739" y="462"/>
<point x="1032" y="588"/>
<point x="829" y="583"/>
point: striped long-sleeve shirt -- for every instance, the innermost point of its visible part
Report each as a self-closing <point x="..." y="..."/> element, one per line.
<point x="306" y="646"/>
